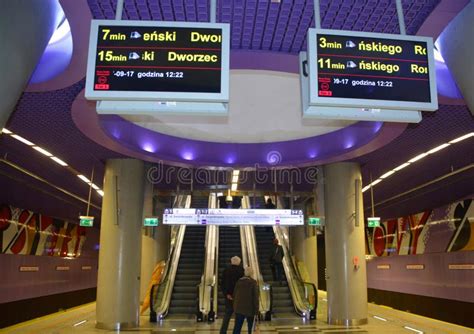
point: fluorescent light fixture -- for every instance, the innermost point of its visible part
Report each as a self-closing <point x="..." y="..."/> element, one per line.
<point x="470" y="134"/>
<point x="235" y="179"/>
<point x="83" y="178"/>
<point x="236" y="172"/>
<point x="380" y="318"/>
<point x="418" y="157"/>
<point x="365" y="188"/>
<point x="233" y="187"/>
<point x="438" y="148"/>
<point x="401" y="166"/>
<point x="100" y="192"/>
<point x="59" y="161"/>
<point x="42" y="151"/>
<point x="80" y="323"/>
<point x="23" y="140"/>
<point x="413" y="329"/>
<point x="94" y="186"/>
<point x="6" y="131"/>
<point x="387" y="174"/>
<point x="376" y="182"/>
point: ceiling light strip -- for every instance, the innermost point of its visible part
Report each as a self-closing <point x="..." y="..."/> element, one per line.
<point x="418" y="157"/>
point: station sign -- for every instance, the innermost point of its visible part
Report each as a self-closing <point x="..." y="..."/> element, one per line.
<point x="370" y="70"/>
<point x="150" y="221"/>
<point x="86" y="221"/>
<point x="232" y="217"/>
<point x="373" y="221"/>
<point x="149" y="60"/>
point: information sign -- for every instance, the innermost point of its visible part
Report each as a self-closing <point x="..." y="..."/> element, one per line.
<point x="149" y="60"/>
<point x="370" y="70"/>
<point x="373" y="221"/>
<point x="86" y="221"/>
<point x="150" y="221"/>
<point x="232" y="217"/>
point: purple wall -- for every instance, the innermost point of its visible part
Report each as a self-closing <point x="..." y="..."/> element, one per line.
<point x="16" y="285"/>
<point x="435" y="280"/>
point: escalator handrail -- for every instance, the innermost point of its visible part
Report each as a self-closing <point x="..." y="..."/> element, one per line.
<point x="294" y="275"/>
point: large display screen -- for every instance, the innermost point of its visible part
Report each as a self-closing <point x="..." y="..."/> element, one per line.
<point x="232" y="217"/>
<point x="144" y="60"/>
<point x="358" y="69"/>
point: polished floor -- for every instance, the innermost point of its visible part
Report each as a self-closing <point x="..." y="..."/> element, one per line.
<point x="381" y="320"/>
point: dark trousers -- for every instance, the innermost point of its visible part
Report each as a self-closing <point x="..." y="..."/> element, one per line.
<point x="278" y="266"/>
<point x="229" y="310"/>
<point x="239" y="321"/>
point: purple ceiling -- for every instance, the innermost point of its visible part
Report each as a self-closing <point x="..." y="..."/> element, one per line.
<point x="45" y="117"/>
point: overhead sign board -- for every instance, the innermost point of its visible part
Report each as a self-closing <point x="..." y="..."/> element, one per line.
<point x="86" y="221"/>
<point x="150" y="221"/>
<point x="373" y="71"/>
<point x="232" y="217"/>
<point x="373" y="221"/>
<point x="149" y="60"/>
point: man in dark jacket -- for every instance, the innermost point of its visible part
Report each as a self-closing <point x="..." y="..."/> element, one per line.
<point x="229" y="278"/>
<point x="245" y="301"/>
<point x="276" y="258"/>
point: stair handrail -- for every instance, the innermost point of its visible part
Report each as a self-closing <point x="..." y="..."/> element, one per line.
<point x="159" y="309"/>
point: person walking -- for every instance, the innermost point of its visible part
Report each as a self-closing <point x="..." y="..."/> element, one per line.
<point x="276" y="258"/>
<point x="229" y="278"/>
<point x="246" y="298"/>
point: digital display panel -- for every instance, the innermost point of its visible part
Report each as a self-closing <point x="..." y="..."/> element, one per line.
<point x="146" y="60"/>
<point x="358" y="69"/>
<point x="232" y="217"/>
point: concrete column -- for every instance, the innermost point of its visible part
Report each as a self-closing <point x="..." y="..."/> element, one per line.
<point x="345" y="249"/>
<point x="457" y="50"/>
<point x="26" y="27"/>
<point x="118" y="285"/>
<point x="155" y="240"/>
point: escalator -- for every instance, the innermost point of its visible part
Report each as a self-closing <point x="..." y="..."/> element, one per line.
<point x="229" y="246"/>
<point x="188" y="276"/>
<point x="282" y="304"/>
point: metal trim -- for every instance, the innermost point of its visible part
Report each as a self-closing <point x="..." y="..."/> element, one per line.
<point x="117" y="325"/>
<point x="348" y="322"/>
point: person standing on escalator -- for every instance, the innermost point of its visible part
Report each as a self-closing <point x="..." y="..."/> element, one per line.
<point x="276" y="261"/>
<point x="229" y="278"/>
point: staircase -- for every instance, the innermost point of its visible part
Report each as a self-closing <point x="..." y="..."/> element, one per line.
<point x="229" y="246"/>
<point x="282" y="302"/>
<point x="188" y="275"/>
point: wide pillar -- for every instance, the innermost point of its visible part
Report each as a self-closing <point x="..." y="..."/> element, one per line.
<point x="345" y="250"/>
<point x="26" y="27"/>
<point x="457" y="50"/>
<point x="118" y="285"/>
<point x="155" y="240"/>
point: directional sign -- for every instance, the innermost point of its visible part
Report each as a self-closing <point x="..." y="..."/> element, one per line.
<point x="150" y="221"/>
<point x="86" y="221"/>
<point x="373" y="221"/>
<point x="149" y="60"/>
<point x="314" y="221"/>
<point x="368" y="70"/>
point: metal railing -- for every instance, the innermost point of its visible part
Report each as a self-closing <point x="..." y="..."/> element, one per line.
<point x="160" y="294"/>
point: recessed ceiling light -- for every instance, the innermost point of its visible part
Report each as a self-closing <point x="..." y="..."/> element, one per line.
<point x="235" y="179"/>
<point x="95" y="186"/>
<point x="438" y="148"/>
<point x="236" y="172"/>
<point x="366" y="188"/>
<point x="23" y="140"/>
<point x="387" y="174"/>
<point x="471" y="134"/>
<point x="42" y="151"/>
<point x="401" y="166"/>
<point x="100" y="192"/>
<point x="376" y="182"/>
<point x="418" y="157"/>
<point x="59" y="161"/>
<point x="83" y="178"/>
<point x="233" y="187"/>
<point x="6" y="131"/>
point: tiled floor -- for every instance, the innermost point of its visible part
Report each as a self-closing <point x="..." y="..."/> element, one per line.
<point x="82" y="320"/>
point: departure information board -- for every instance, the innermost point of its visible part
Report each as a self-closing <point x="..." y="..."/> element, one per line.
<point x="232" y="217"/>
<point x="358" y="69"/>
<point x="145" y="60"/>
